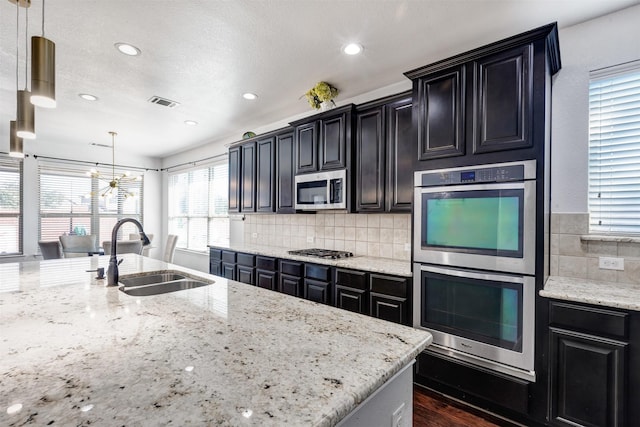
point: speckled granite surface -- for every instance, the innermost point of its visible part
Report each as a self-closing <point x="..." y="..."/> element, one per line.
<point x="74" y="352"/>
<point x="364" y="263"/>
<point x="610" y="294"/>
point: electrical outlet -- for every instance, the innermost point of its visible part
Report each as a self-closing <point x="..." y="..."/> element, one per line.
<point x="610" y="263"/>
<point x="397" y="417"/>
<point x="407" y="247"/>
<point x="254" y="235"/>
<point x="309" y="239"/>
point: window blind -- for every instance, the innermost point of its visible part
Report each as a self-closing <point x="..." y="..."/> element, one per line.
<point x="10" y="206"/>
<point x="198" y="202"/>
<point x="71" y="201"/>
<point x="614" y="150"/>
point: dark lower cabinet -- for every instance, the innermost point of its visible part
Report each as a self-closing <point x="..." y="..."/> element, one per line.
<point x="389" y="308"/>
<point x="291" y="285"/>
<point x="317" y="291"/>
<point x="352" y="290"/>
<point x="589" y="374"/>
<point x="228" y="270"/>
<point x="389" y="298"/>
<point x="266" y="272"/>
<point x="246" y="274"/>
<point x="215" y="261"/>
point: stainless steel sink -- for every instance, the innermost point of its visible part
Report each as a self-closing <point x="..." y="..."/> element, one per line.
<point x="159" y="282"/>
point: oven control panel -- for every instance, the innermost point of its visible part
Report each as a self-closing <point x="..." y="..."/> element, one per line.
<point x="472" y="175"/>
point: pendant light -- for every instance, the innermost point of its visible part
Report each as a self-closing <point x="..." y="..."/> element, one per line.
<point x="43" y="70"/>
<point x="25" y="127"/>
<point x="15" y="142"/>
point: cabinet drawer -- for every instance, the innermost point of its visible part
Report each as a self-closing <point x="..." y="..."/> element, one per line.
<point x="266" y="263"/>
<point x="246" y="259"/>
<point x="389" y="285"/>
<point x="319" y="272"/>
<point x="228" y="256"/>
<point x="291" y="268"/>
<point x="215" y="254"/>
<point x="351" y="279"/>
<point x="589" y="319"/>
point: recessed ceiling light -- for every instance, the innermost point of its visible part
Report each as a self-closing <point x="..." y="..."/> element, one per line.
<point x="352" y="49"/>
<point x="128" y="49"/>
<point x="88" y="97"/>
<point x="190" y="122"/>
<point x="249" y="95"/>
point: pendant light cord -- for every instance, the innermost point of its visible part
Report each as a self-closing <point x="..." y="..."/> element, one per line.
<point x="17" y="43"/>
<point x="43" y="19"/>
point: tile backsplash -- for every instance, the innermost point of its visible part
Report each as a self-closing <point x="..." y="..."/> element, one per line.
<point x="575" y="253"/>
<point x="376" y="235"/>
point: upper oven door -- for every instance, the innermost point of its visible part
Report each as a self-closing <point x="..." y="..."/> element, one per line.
<point x="483" y="226"/>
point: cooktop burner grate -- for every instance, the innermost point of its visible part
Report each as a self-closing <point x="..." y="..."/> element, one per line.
<point x="321" y="253"/>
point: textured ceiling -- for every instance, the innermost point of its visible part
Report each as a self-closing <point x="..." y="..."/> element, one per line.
<point x="205" y="54"/>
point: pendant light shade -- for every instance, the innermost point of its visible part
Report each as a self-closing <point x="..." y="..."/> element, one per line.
<point x="25" y="127"/>
<point x="15" y="142"/>
<point x="43" y="72"/>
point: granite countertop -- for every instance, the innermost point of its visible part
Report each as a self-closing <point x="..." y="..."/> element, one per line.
<point x="609" y="294"/>
<point x="75" y="352"/>
<point x="364" y="263"/>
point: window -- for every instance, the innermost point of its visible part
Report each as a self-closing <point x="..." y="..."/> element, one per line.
<point x="614" y="149"/>
<point x="71" y="202"/>
<point x="10" y="206"/>
<point x="198" y="201"/>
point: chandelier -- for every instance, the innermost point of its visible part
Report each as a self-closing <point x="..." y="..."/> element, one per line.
<point x="115" y="182"/>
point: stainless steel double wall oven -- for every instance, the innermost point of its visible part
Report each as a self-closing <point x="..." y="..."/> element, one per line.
<point x="474" y="263"/>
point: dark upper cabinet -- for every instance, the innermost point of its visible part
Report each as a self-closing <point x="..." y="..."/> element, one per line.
<point x="400" y="155"/>
<point x="384" y="160"/>
<point x="285" y="160"/>
<point x="370" y="160"/>
<point x="323" y="141"/>
<point x="234" y="179"/>
<point x="502" y="100"/>
<point x="440" y="114"/>
<point x="266" y="183"/>
<point x="487" y="105"/>
<point x="306" y="140"/>
<point x="248" y="176"/>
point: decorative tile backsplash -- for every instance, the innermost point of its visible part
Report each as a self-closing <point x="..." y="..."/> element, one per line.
<point x="575" y="253"/>
<point x="376" y="235"/>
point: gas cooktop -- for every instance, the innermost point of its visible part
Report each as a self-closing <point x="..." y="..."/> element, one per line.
<point x="321" y="253"/>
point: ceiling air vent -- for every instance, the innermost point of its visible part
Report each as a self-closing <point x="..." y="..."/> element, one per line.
<point x="163" y="101"/>
<point x="96" y="144"/>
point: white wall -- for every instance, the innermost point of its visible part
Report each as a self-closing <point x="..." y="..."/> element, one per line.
<point x="602" y="42"/>
<point x="152" y="188"/>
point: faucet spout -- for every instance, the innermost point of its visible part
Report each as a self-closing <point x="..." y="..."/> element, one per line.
<point x="112" y="274"/>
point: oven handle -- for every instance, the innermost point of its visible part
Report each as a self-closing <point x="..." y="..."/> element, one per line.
<point x="472" y="187"/>
<point x="473" y="274"/>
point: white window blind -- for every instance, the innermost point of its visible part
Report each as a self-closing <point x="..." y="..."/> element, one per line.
<point x="71" y="202"/>
<point x="10" y="206"/>
<point x="614" y="149"/>
<point x="198" y="201"/>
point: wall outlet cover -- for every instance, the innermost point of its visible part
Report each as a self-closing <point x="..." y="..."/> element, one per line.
<point x="610" y="263"/>
<point x="309" y="239"/>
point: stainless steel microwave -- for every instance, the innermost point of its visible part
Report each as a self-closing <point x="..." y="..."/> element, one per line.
<point x="321" y="190"/>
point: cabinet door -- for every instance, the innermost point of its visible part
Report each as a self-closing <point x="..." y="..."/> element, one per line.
<point x="291" y="285"/>
<point x="440" y="114"/>
<point x="215" y="267"/>
<point x="502" y="100"/>
<point x="370" y="161"/>
<point x="352" y="299"/>
<point x="386" y="307"/>
<point x="333" y="147"/>
<point x="246" y="274"/>
<point x="306" y="147"/>
<point x="248" y="166"/>
<point x="285" y="153"/>
<point x="587" y="382"/>
<point x="234" y="179"/>
<point x="267" y="279"/>
<point x="266" y="180"/>
<point x="317" y="290"/>
<point x="229" y="270"/>
<point x="401" y="146"/>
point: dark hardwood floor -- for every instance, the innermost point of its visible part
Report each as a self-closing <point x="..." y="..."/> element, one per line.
<point x="431" y="409"/>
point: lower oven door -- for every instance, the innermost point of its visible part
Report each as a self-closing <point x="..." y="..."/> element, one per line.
<point x="486" y="319"/>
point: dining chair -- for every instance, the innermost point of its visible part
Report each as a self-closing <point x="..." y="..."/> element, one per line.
<point x="145" y="249"/>
<point x="78" y="246"/>
<point x="170" y="248"/>
<point x="50" y="249"/>
<point x="123" y="247"/>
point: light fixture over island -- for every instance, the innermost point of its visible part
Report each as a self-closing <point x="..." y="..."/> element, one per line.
<point x="76" y="352"/>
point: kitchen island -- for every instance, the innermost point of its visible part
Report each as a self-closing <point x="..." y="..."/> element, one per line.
<point x="75" y="352"/>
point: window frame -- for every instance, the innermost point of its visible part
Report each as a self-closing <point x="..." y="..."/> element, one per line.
<point x="15" y="165"/>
